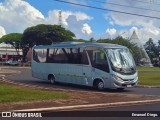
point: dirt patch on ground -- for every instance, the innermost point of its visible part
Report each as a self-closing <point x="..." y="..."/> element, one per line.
<point x="77" y="98"/>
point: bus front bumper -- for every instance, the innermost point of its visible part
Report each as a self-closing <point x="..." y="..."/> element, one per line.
<point x="117" y="83"/>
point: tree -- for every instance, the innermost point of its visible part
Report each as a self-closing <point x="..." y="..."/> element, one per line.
<point x="92" y="39"/>
<point x="151" y="49"/>
<point x="125" y="42"/>
<point x="158" y="42"/>
<point x="44" y="35"/>
<point x="14" y="39"/>
<point x="80" y="40"/>
<point x="158" y="45"/>
<point x="120" y="41"/>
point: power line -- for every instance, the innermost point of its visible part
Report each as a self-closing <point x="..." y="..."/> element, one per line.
<point x="116" y="11"/>
<point x="124" y="5"/>
<point x="146" y="2"/>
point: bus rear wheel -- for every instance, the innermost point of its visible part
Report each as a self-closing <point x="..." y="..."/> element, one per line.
<point x="51" y="79"/>
<point x="99" y="85"/>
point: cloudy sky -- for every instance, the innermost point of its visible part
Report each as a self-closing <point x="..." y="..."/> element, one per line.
<point x="17" y="15"/>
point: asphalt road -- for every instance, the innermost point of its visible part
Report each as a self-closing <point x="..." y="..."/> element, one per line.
<point x="25" y="77"/>
<point x="139" y="107"/>
<point x="147" y="112"/>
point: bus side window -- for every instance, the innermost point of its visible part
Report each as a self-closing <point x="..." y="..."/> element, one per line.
<point x="84" y="58"/>
<point x="56" y="55"/>
<point x="98" y="59"/>
<point x="40" y="55"/>
<point x="34" y="55"/>
<point x="76" y="55"/>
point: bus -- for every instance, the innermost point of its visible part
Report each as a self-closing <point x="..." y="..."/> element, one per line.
<point x="99" y="65"/>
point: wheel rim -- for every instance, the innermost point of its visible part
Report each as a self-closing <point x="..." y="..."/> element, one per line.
<point x="52" y="80"/>
<point x="100" y="85"/>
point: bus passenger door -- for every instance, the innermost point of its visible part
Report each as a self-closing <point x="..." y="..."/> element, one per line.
<point x="87" y="75"/>
<point x="82" y="72"/>
<point x="86" y="70"/>
<point x="99" y="65"/>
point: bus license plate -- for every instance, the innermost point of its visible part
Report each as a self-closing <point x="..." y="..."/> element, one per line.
<point x="129" y="85"/>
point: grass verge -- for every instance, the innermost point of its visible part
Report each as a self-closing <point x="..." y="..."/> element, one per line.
<point x="148" y="68"/>
<point x="10" y="93"/>
<point x="149" y="78"/>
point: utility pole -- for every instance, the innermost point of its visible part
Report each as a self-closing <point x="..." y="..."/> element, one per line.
<point x="60" y="17"/>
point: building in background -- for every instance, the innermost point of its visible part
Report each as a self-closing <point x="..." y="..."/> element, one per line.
<point x="8" y="52"/>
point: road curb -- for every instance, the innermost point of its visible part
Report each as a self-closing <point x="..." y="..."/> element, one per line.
<point x="144" y="86"/>
<point x="10" y="72"/>
<point x="5" y="67"/>
<point x="86" y="106"/>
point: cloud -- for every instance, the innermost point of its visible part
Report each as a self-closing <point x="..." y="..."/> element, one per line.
<point x="125" y="19"/>
<point x="16" y="15"/>
<point x="80" y="29"/>
<point x="53" y="16"/>
<point x="145" y="33"/>
<point x="111" y="31"/>
<point x="2" y="31"/>
<point x="146" y="27"/>
<point x="86" y="29"/>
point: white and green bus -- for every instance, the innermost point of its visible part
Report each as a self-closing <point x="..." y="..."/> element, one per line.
<point x="100" y="65"/>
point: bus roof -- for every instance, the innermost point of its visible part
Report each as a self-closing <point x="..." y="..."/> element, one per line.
<point x="79" y="44"/>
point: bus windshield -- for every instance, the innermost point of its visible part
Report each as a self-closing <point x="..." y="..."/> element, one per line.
<point x="121" y="60"/>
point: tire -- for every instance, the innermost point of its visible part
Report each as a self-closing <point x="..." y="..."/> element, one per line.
<point x="99" y="85"/>
<point x="51" y="79"/>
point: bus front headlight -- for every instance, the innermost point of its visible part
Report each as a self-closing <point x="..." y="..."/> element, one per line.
<point x="136" y="79"/>
<point x="117" y="78"/>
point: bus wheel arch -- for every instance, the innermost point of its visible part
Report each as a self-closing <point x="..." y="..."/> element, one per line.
<point x="98" y="84"/>
<point x="51" y="78"/>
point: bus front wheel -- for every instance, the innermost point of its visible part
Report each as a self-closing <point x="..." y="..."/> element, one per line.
<point x="99" y="85"/>
<point x="51" y="79"/>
